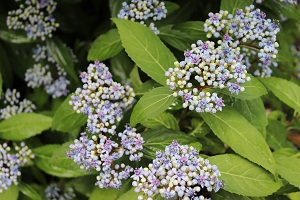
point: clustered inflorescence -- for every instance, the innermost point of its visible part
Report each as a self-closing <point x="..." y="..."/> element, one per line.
<point x="35" y="17"/>
<point x="102" y="100"/>
<point x="14" y="106"/>
<point x="252" y="31"/>
<point x="177" y="172"/>
<point x="245" y="38"/>
<point x="11" y="161"/>
<point x="284" y="1"/>
<point x="41" y="74"/>
<point x="141" y="11"/>
<point x="54" y="192"/>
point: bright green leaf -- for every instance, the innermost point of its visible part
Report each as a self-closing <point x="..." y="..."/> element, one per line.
<point x="244" y="177"/>
<point x="276" y="135"/>
<point x="28" y="191"/>
<point x="145" y="49"/>
<point x="234" y="130"/>
<point x="130" y="195"/>
<point x="24" y="125"/>
<point x="61" y="55"/>
<point x="288" y="168"/>
<point x="45" y="150"/>
<point x="158" y="139"/>
<point x="286" y="91"/>
<point x="107" y="45"/>
<point x="11" y="194"/>
<point x="166" y="120"/>
<point x="254" y="111"/>
<point x="232" y="5"/>
<point x="66" y="119"/>
<point x="152" y="104"/>
<point x="253" y="90"/>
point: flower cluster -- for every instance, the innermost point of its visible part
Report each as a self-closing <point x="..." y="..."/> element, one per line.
<point x="35" y="17"/>
<point x="284" y="1"/>
<point x="139" y="10"/>
<point x="14" y="105"/>
<point x="177" y="172"/>
<point x="53" y="192"/>
<point x="100" y="153"/>
<point x="11" y="162"/>
<point x="101" y="99"/>
<point x="250" y="29"/>
<point x="207" y="67"/>
<point x="40" y="74"/>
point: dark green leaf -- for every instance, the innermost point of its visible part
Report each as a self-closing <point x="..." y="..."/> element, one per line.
<point x="152" y="104"/>
<point x="175" y="38"/>
<point x="224" y="195"/>
<point x="105" y="46"/>
<point x="115" y="6"/>
<point x="15" y="37"/>
<point x="158" y="139"/>
<point x="28" y="191"/>
<point x="11" y="194"/>
<point x="234" y="130"/>
<point x="238" y="172"/>
<point x="171" y="7"/>
<point x="121" y="66"/>
<point x="24" y="125"/>
<point x="194" y="29"/>
<point x="232" y="5"/>
<point x="135" y="78"/>
<point x="66" y="119"/>
<point x="254" y="111"/>
<point x="253" y="90"/>
<point x="5" y="68"/>
<point x="145" y="49"/>
<point x="212" y="143"/>
<point x="61" y="55"/>
<point x="276" y="135"/>
<point x="286" y="91"/>
<point x="84" y="184"/>
<point x="199" y="127"/>
<point x="166" y="120"/>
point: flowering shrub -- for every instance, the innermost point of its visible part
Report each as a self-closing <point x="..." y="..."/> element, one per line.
<point x="149" y="99"/>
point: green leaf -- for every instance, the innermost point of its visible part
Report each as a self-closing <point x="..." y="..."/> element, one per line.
<point x="288" y="168"/>
<point x="276" y="135"/>
<point x="135" y="78"/>
<point x="145" y="49"/>
<point x="158" y="139"/>
<point x="42" y="160"/>
<point x="11" y="194"/>
<point x="212" y="143"/>
<point x="166" y="120"/>
<point x="224" y="195"/>
<point x="110" y="193"/>
<point x="244" y="177"/>
<point x="195" y="30"/>
<point x="130" y="195"/>
<point x="84" y="185"/>
<point x="115" y="6"/>
<point x="287" y="152"/>
<point x="107" y="45"/>
<point x="5" y="69"/>
<point x="152" y="104"/>
<point x="28" y="191"/>
<point x="232" y="5"/>
<point x="253" y="90"/>
<point x="66" y="119"/>
<point x="175" y="38"/>
<point x="24" y="125"/>
<point x="61" y="55"/>
<point x="14" y="37"/>
<point x="294" y="196"/>
<point x="121" y="66"/>
<point x="286" y="91"/>
<point x="171" y="7"/>
<point x="199" y="127"/>
<point x="59" y="159"/>
<point x="254" y="111"/>
<point x="234" y="130"/>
